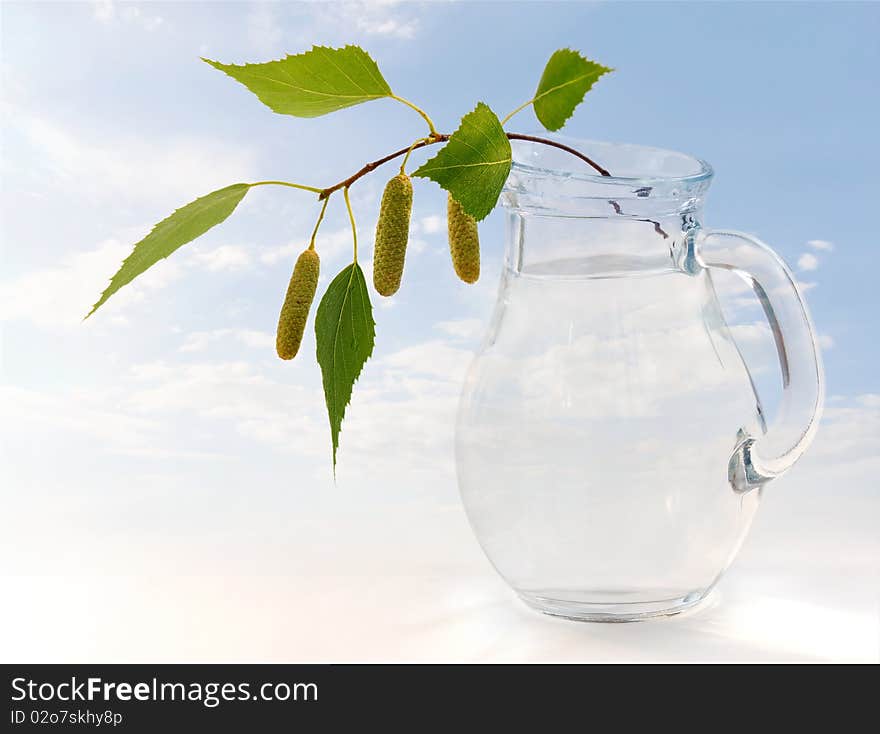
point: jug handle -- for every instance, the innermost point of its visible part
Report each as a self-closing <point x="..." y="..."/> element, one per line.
<point x="757" y="460"/>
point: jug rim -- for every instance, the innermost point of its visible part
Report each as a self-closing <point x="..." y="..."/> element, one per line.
<point x="606" y="153"/>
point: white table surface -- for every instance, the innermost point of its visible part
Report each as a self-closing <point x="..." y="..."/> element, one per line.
<point x="415" y="587"/>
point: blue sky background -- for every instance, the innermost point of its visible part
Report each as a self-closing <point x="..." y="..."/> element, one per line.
<point x="165" y="435"/>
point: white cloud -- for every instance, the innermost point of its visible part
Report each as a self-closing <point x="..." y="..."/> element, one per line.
<point x="402" y="416"/>
<point x="63" y="294"/>
<point x="130" y="166"/>
<point x="381" y="18"/>
<point x="385" y="304"/>
<point x="149" y="22"/>
<point x="104" y="10"/>
<point x="263" y="29"/>
<point x="400" y="406"/>
<point x="823" y="245"/>
<point x="826" y="342"/>
<point x="464" y="329"/>
<point x="431" y="224"/>
<point x="273" y="255"/>
<point x="435" y="358"/>
<point x="134" y="413"/>
<point x="109" y="11"/>
<point x="388" y="27"/>
<point x="198" y="341"/>
<point x="55" y="418"/>
<point x="331" y="245"/>
<point x="416" y="246"/>
<point x="378" y="18"/>
<point x="757" y="331"/>
<point x="237" y="395"/>
<point x="850" y="431"/>
<point x="808" y="261"/>
<point x="225" y="257"/>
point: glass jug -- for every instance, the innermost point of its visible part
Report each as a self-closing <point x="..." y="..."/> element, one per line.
<point x="610" y="446"/>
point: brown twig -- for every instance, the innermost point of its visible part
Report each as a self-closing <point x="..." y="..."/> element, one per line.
<point x="344" y="184"/>
<point x="441" y="138"/>
<point x="373" y="165"/>
<point x="554" y="144"/>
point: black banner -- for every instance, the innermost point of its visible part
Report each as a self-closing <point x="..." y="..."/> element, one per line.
<point x="166" y="698"/>
<point x="169" y="698"/>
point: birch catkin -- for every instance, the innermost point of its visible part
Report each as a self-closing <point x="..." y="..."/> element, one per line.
<point x="464" y="241"/>
<point x="392" y="233"/>
<point x="297" y="302"/>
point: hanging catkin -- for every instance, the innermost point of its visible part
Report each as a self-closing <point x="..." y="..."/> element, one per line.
<point x="392" y="233"/>
<point x="464" y="241"/>
<point x="297" y="302"/>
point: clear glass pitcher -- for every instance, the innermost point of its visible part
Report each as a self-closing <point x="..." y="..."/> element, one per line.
<point x="611" y="449"/>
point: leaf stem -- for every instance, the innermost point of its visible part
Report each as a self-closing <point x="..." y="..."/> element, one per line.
<point x="518" y="109"/>
<point x="411" y="148"/>
<point x="354" y="232"/>
<point x="303" y="187"/>
<point x="318" y="223"/>
<point x="418" y="109"/>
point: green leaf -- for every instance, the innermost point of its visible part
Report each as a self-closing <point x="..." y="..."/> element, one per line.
<point x="345" y="331"/>
<point x="187" y="223"/>
<point x="567" y="77"/>
<point x="474" y="164"/>
<point x="313" y="83"/>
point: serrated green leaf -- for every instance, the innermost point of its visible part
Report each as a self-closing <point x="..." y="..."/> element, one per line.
<point x="187" y="223"/>
<point x="345" y="331"/>
<point x="313" y="83"/>
<point x="474" y="164"/>
<point x="567" y="77"/>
